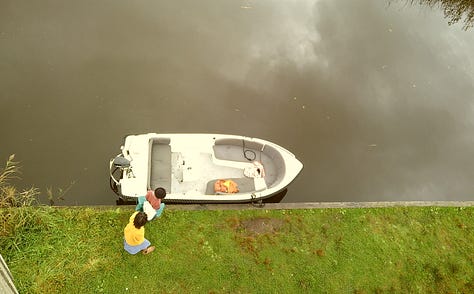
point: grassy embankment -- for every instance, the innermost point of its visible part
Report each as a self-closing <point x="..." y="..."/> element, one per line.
<point x="380" y="250"/>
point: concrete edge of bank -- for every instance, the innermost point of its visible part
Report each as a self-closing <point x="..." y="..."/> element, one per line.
<point x="300" y="205"/>
<point x="318" y="205"/>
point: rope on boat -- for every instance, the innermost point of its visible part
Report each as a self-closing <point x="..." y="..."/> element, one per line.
<point x="257" y="203"/>
<point x="248" y="150"/>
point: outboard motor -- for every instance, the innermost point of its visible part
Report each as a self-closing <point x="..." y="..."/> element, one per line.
<point x="118" y="166"/>
<point x="121" y="162"/>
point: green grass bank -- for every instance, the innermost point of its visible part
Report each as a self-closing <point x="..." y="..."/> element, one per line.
<point x="338" y="250"/>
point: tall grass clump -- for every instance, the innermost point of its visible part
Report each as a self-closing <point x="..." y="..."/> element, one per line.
<point x="20" y="210"/>
<point x="10" y="196"/>
<point x="17" y="217"/>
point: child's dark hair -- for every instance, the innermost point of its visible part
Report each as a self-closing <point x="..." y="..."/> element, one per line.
<point x="140" y="220"/>
<point x="160" y="193"/>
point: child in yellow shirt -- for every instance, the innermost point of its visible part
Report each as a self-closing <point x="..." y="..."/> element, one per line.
<point x="134" y="235"/>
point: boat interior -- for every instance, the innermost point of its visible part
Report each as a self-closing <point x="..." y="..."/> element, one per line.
<point x="193" y="172"/>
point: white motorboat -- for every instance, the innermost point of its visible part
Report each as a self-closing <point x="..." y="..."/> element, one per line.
<point x="187" y="166"/>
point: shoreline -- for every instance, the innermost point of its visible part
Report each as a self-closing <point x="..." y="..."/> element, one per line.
<point x="296" y="205"/>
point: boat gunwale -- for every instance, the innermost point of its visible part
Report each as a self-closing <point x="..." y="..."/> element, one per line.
<point x="257" y="195"/>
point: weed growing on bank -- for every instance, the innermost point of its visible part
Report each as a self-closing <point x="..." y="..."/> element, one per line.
<point x="379" y="250"/>
<point x="17" y="216"/>
<point x="9" y="194"/>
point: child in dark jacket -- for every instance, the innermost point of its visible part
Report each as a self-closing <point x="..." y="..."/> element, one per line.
<point x="151" y="203"/>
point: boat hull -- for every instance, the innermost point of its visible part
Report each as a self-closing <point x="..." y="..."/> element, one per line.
<point x="187" y="166"/>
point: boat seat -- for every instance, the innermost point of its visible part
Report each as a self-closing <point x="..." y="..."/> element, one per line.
<point x="160" y="164"/>
<point x="245" y="185"/>
<point x="233" y="149"/>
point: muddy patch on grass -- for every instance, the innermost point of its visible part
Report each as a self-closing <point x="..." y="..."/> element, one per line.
<point x="254" y="234"/>
<point x="261" y="225"/>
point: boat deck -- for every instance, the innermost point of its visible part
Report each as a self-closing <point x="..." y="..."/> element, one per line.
<point x="193" y="172"/>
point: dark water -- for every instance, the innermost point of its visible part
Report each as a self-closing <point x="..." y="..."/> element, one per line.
<point x="375" y="98"/>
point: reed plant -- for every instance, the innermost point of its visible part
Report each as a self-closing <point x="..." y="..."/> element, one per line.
<point x="10" y="196"/>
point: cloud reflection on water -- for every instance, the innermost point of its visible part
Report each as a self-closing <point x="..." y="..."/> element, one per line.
<point x="374" y="97"/>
